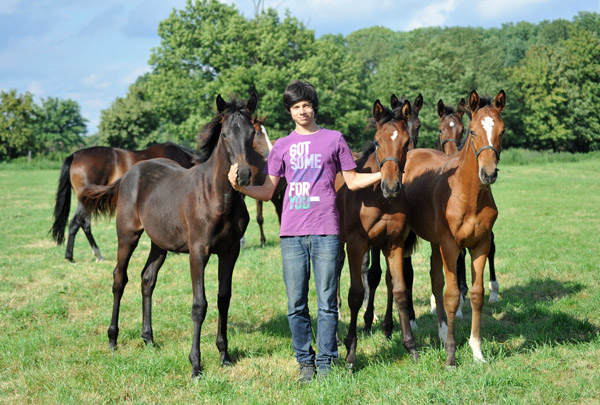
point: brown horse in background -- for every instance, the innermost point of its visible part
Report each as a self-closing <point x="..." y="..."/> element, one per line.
<point x="375" y="216"/>
<point x="262" y="145"/>
<point x="452" y="207"/>
<point x="193" y="211"/>
<point x="100" y="165"/>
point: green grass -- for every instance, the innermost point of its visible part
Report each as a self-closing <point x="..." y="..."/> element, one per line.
<point x="541" y="340"/>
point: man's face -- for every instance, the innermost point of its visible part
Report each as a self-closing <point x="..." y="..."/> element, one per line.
<point x="303" y="113"/>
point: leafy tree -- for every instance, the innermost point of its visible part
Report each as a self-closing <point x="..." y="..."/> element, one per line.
<point x="59" y="125"/>
<point x="129" y="122"/>
<point x="17" y="117"/>
<point x="559" y="88"/>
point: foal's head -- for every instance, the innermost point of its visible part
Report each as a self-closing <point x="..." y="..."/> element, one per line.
<point x="232" y="129"/>
<point x="451" y="128"/>
<point x="392" y="141"/>
<point x="486" y="130"/>
<point x="414" y="123"/>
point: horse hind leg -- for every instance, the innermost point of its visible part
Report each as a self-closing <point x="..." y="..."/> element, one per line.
<point x="198" y="261"/>
<point x="74" y="225"/>
<point x="461" y="278"/>
<point x="87" y="229"/>
<point x="127" y="244"/>
<point x="494" y="285"/>
<point x="156" y="258"/>
<point x="355" y="298"/>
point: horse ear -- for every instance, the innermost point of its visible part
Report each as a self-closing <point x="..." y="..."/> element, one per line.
<point x="441" y="108"/>
<point x="418" y="103"/>
<point x="394" y="102"/>
<point x="221" y="104"/>
<point x="473" y="101"/>
<point x="378" y="110"/>
<point x="252" y="102"/>
<point x="461" y="108"/>
<point x="500" y="101"/>
<point x="406" y="110"/>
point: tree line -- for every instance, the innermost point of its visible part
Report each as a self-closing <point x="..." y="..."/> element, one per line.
<point x="550" y="72"/>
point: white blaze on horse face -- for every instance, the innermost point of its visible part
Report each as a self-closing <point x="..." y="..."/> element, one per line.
<point x="488" y="125"/>
<point x="394" y="135"/>
<point x="451" y="124"/>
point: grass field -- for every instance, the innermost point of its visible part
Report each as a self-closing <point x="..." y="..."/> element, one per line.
<point x="541" y="340"/>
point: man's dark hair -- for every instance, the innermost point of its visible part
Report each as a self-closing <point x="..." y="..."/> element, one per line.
<point x="297" y="91"/>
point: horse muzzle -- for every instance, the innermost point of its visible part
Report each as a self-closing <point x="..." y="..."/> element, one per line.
<point x="488" y="177"/>
<point x="391" y="189"/>
<point x="244" y="176"/>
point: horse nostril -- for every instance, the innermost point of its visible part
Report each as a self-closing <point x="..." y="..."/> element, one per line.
<point x="244" y="176"/>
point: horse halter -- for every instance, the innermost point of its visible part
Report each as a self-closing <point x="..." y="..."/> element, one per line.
<point x="478" y="152"/>
<point x="392" y="159"/>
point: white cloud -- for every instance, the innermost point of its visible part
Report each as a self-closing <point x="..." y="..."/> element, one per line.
<point x="96" y="81"/>
<point x="36" y="88"/>
<point x="8" y="7"/>
<point x="131" y="77"/>
<point x="495" y="8"/>
<point x="435" y="14"/>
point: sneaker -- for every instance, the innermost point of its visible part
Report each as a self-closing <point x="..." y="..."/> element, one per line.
<point x="307" y="372"/>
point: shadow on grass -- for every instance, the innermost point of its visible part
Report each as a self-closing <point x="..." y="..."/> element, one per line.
<point x="525" y="316"/>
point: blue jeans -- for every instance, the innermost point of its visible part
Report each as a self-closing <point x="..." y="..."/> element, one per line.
<point x="296" y="253"/>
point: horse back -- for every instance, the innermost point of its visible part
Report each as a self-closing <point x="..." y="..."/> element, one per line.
<point x="97" y="165"/>
<point x="167" y="150"/>
<point x="176" y="206"/>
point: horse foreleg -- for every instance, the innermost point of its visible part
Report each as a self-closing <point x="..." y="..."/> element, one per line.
<point x="198" y="260"/>
<point x="436" y="273"/>
<point x="401" y="297"/>
<point x="371" y="279"/>
<point x="478" y="258"/>
<point x="156" y="258"/>
<point x="356" y="294"/>
<point x="260" y="220"/>
<point x="127" y="244"/>
<point x="450" y="254"/>
<point x="494" y="285"/>
<point x="226" y="265"/>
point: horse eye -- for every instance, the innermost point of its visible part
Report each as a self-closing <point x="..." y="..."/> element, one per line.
<point x="440" y="131"/>
<point x="376" y="143"/>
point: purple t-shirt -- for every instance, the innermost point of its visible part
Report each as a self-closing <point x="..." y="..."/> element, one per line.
<point x="310" y="163"/>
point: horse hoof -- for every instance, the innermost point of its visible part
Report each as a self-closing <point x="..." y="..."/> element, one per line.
<point x="196" y="378"/>
<point x="99" y="259"/>
<point x="415" y="355"/>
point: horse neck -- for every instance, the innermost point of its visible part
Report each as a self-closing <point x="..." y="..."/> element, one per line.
<point x="219" y="161"/>
<point x="468" y="173"/>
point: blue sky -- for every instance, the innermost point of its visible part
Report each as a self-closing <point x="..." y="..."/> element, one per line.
<point x="90" y="51"/>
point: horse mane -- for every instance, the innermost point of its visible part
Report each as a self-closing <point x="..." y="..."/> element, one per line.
<point x="209" y="135"/>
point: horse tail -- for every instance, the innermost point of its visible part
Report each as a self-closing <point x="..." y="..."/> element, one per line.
<point x="410" y="244"/>
<point x="62" y="205"/>
<point x="101" y="200"/>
